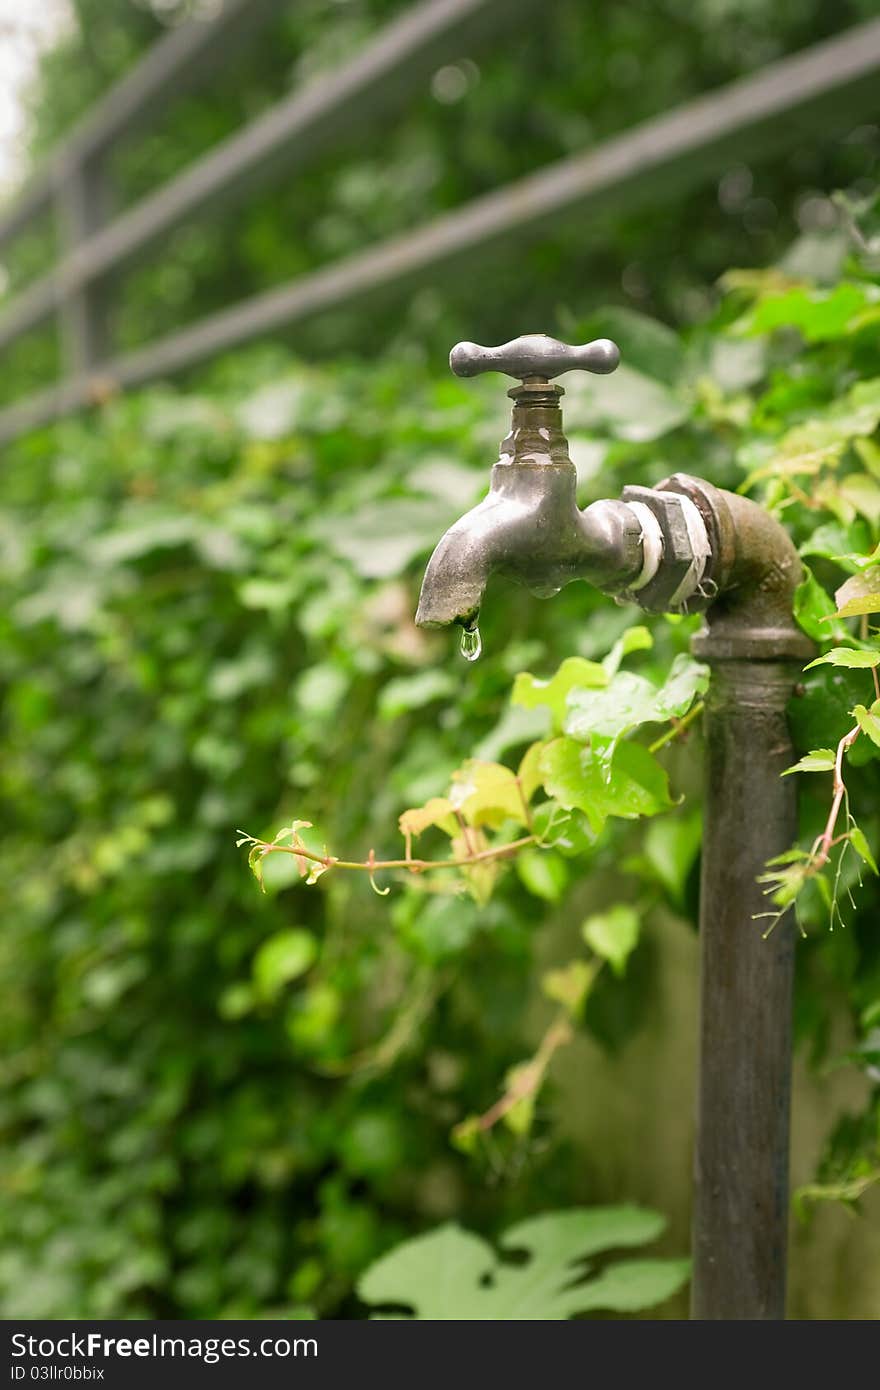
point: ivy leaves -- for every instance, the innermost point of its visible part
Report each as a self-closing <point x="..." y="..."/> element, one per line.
<point x="632" y="784"/>
<point x="452" y="1274"/>
<point x="591" y="766"/>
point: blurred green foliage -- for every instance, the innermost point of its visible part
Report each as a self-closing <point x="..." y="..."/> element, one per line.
<point x="221" y="1103"/>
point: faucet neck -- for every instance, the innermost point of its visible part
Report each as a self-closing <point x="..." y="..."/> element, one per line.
<point x="536" y="436"/>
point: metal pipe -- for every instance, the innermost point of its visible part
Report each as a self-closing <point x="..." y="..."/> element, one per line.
<point x="740" y="1216"/>
<point x="741" y="1150"/>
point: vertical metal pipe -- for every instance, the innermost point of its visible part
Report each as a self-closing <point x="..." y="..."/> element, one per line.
<point x="740" y="1218"/>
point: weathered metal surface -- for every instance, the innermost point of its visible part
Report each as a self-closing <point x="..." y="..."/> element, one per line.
<point x="534" y="355"/>
<point x="740" y="1216"/>
<point x="754" y="572"/>
<point x="530" y="527"/>
<point x="656" y="596"/>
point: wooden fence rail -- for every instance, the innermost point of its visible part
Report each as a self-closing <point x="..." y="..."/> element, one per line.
<point x="821" y="90"/>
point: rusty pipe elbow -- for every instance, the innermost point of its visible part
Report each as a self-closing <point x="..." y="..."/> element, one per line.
<point x="754" y="571"/>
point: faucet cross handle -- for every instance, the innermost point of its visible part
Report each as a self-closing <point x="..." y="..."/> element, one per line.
<point x="534" y="357"/>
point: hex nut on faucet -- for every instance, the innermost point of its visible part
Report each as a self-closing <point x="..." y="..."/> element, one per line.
<point x="668" y="590"/>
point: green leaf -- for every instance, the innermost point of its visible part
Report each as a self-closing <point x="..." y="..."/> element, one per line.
<point x="450" y="1274"/>
<point x="543" y="873"/>
<point x="516" y="727"/>
<point x="833" y="541"/>
<point x="815" y="610"/>
<point x="687" y="679"/>
<point x="869" y="721"/>
<point x="821" y="441"/>
<point x="633" y="785"/>
<point x="236" y="1001"/>
<point x="635" y="639"/>
<point x="569" y="832"/>
<point x="862" y="848"/>
<point x="613" y="935"/>
<point x="670" y="846"/>
<point x="632" y="1285"/>
<point x="846" y="656"/>
<point x="863" y="495"/>
<point x="281" y="959"/>
<point x="645" y="343"/>
<point x="437" y="811"/>
<point x="380" y="539"/>
<point x="627" y="405"/>
<point x="631" y="700"/>
<point x="574" y="673"/>
<point x="859" y="594"/>
<point x="487" y="794"/>
<point x="823" y="713"/>
<point x="529" y="770"/>
<point x="819" y="760"/>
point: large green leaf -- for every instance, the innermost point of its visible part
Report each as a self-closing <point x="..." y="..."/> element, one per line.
<point x="450" y="1274"/>
<point x="628" y="405"/>
<point x="631" y="700"/>
<point x="575" y="673"/>
<point x="815" y="610"/>
<point x="646" y="344"/>
<point x="633" y="784"/>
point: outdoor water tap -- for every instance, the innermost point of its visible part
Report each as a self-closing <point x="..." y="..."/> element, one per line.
<point x="530" y="528"/>
<point x="682" y="546"/>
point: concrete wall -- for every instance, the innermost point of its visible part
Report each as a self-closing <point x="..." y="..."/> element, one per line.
<point x="631" y="1116"/>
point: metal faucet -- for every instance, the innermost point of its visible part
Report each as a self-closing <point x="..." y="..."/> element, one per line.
<point x="681" y="546"/>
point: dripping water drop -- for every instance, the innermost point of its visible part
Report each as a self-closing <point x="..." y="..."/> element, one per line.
<point x="471" y="642"/>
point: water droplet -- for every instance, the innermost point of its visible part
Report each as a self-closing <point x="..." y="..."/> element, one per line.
<point x="471" y="642"/>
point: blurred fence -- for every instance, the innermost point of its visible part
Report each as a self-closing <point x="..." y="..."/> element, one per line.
<point x="822" y="89"/>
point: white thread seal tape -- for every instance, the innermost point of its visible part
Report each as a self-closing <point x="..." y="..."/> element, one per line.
<point x="652" y="544"/>
<point x="700" y="549"/>
<point x="652" y="547"/>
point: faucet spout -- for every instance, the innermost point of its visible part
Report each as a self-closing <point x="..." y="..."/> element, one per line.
<point x="458" y="571"/>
